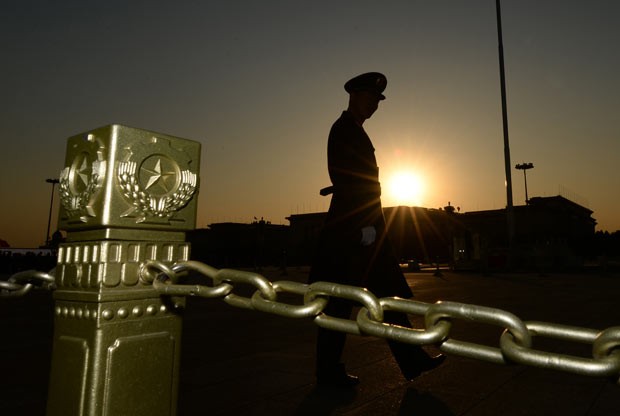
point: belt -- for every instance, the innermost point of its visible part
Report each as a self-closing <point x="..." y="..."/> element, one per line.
<point x="363" y="188"/>
<point x="327" y="190"/>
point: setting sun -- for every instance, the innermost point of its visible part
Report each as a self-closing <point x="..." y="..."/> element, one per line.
<point x="405" y="188"/>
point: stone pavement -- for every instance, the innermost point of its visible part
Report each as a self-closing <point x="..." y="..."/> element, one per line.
<point x="241" y="362"/>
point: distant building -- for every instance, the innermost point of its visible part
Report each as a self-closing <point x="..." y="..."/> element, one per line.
<point x="420" y="234"/>
<point x="240" y="245"/>
<point x="549" y="232"/>
<point x="13" y="260"/>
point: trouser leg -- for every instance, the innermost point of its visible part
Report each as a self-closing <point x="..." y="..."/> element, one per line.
<point x="330" y="344"/>
<point x="410" y="357"/>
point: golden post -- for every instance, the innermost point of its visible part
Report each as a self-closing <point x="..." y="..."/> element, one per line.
<point x="127" y="197"/>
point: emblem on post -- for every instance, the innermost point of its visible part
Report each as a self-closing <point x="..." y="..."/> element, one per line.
<point x="153" y="183"/>
<point x="81" y="179"/>
<point x="120" y="178"/>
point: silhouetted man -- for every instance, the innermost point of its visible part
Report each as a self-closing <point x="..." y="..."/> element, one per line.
<point x="353" y="248"/>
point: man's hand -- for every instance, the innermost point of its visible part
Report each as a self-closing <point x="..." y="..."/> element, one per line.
<point x="369" y="234"/>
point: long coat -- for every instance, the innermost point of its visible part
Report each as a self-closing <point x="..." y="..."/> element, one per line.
<point x="355" y="204"/>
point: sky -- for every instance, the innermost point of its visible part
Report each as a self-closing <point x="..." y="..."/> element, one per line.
<point x="259" y="84"/>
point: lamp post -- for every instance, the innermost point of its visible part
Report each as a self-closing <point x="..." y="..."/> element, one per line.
<point x="524" y="167"/>
<point x="49" y="220"/>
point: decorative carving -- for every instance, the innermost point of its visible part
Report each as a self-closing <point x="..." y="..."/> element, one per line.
<point x="114" y="311"/>
<point x="119" y="181"/>
<point x="112" y="265"/>
<point x="82" y="178"/>
<point x="145" y="202"/>
<point x="153" y="183"/>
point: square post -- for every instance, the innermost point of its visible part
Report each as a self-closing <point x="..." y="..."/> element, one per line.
<point x="127" y="197"/>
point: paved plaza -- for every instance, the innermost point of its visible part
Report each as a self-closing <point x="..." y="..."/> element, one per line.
<point x="242" y="362"/>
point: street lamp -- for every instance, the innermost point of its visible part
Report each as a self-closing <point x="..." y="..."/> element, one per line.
<point x="524" y="167"/>
<point x="49" y="220"/>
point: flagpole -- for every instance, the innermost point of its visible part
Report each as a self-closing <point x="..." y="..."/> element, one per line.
<point x="507" y="164"/>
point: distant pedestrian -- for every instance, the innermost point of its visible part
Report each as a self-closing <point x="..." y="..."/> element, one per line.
<point x="353" y="247"/>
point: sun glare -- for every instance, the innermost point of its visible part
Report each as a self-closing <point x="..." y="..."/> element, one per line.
<point x="405" y="188"/>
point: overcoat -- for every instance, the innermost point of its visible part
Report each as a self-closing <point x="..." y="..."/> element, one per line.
<point x="355" y="204"/>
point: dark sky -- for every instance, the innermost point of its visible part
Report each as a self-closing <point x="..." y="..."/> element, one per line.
<point x="260" y="83"/>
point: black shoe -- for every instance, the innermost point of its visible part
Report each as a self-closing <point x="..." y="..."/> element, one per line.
<point x="429" y="364"/>
<point x="336" y="377"/>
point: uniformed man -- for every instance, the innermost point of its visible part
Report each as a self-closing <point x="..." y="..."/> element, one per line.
<point x="353" y="247"/>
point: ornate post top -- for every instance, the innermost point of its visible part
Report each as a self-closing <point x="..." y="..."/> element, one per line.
<point x="125" y="183"/>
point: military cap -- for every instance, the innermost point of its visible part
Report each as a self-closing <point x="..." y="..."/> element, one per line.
<point x="370" y="81"/>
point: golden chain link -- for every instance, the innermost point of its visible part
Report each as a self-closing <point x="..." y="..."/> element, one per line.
<point x="22" y="282"/>
<point x="515" y="343"/>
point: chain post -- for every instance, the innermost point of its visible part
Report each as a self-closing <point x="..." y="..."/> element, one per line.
<point x="127" y="198"/>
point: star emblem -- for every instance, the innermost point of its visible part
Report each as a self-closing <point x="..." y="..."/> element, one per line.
<point x="159" y="175"/>
<point x="81" y="172"/>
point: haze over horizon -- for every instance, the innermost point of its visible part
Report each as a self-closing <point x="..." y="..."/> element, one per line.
<point x="259" y="84"/>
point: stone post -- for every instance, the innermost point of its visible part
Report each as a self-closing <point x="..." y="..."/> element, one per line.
<point x="127" y="197"/>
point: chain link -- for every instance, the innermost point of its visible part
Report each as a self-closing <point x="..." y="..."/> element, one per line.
<point x="481" y="314"/>
<point x="21" y="283"/>
<point x="515" y="342"/>
<point x="361" y="295"/>
<point x="606" y="361"/>
<point x="308" y="309"/>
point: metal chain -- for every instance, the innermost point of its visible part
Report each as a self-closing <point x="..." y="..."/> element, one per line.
<point x="22" y="282"/>
<point x="515" y="343"/>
